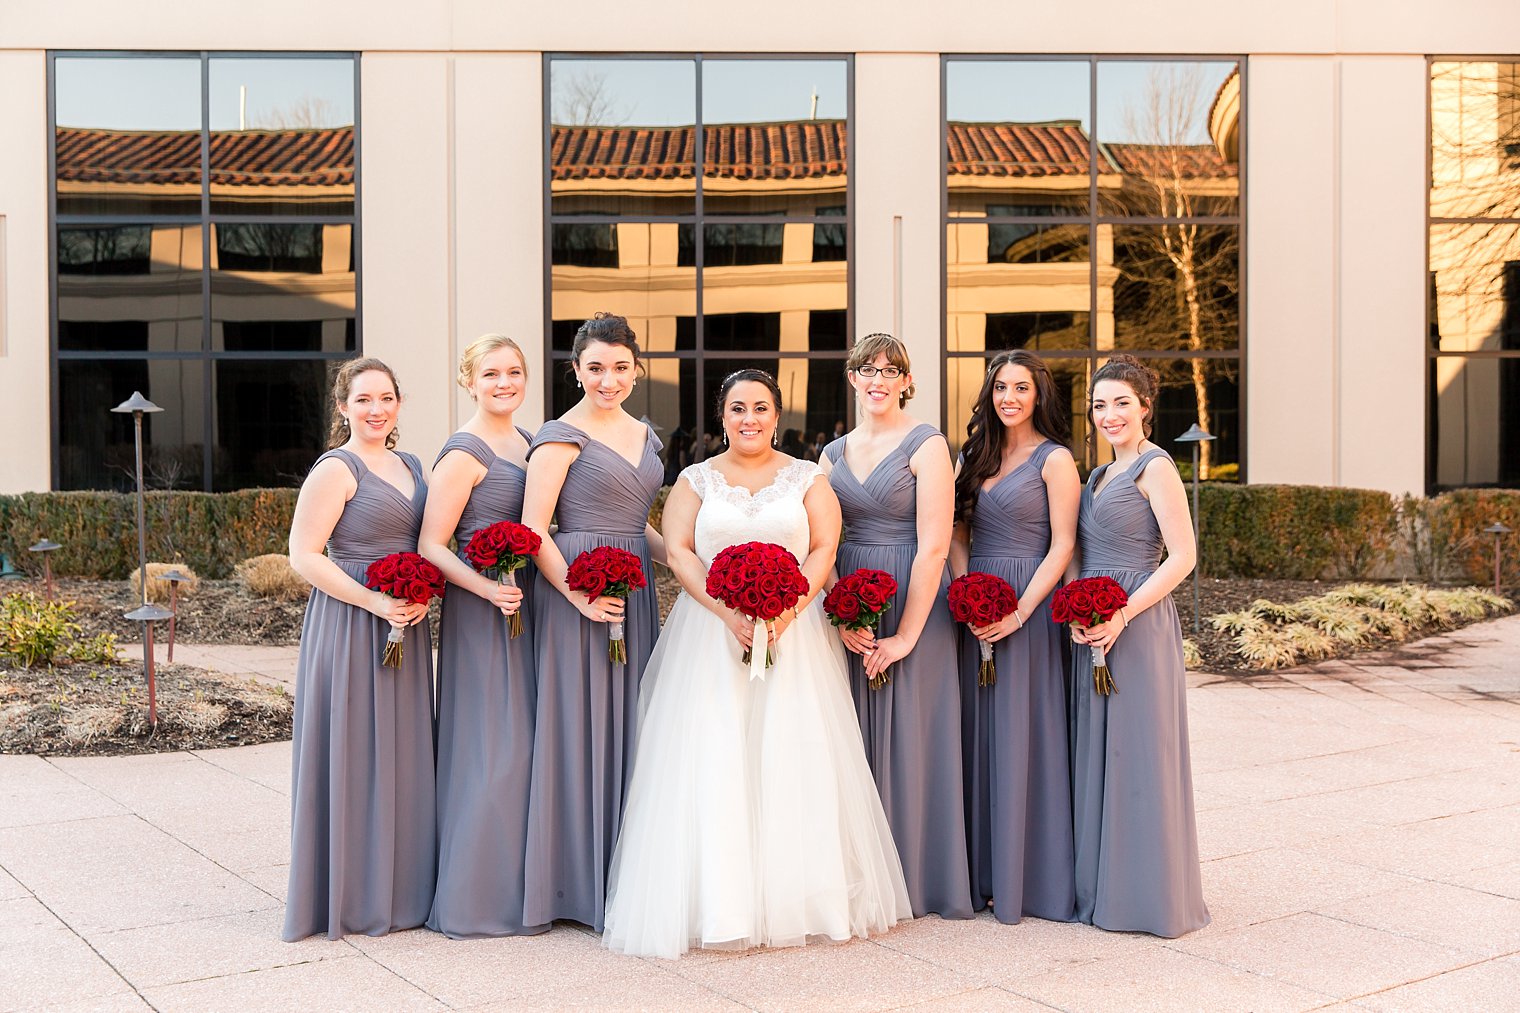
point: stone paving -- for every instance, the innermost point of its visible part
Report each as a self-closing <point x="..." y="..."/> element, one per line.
<point x="1358" y="824"/>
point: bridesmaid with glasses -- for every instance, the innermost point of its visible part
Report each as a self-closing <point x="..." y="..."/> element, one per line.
<point x="894" y="480"/>
<point x="1016" y="496"/>
<point x="1136" y="838"/>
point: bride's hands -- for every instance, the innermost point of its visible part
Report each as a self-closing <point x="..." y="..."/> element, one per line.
<point x="741" y="627"/>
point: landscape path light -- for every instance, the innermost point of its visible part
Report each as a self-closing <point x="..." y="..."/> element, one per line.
<point x="1498" y="530"/>
<point x="44" y="548"/>
<point x="148" y="612"/>
<point x="7" y="571"/>
<point x="174" y="577"/>
<point x="1195" y="435"/>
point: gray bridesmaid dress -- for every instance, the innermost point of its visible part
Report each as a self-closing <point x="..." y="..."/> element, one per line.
<point x="587" y="706"/>
<point x="487" y="701"/>
<point x="1136" y="839"/>
<point x="912" y="725"/>
<point x="363" y="845"/>
<point x="1018" y="778"/>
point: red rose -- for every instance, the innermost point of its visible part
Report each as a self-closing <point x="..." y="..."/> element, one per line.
<point x="1081" y="603"/>
<point x="847" y="608"/>
<point x="873" y="596"/>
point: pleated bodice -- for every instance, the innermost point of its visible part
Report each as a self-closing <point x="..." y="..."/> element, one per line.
<point x="603" y="493"/>
<point x="379" y="519"/>
<point x="1020" y="494"/>
<point x="881" y="509"/>
<point x="1117" y="530"/>
<point x="498" y="496"/>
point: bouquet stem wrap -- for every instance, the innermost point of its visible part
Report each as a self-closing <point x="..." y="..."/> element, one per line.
<point x="617" y="651"/>
<point x="986" y="672"/>
<point x="1103" y="682"/>
<point x="752" y="657"/>
<point x="514" y="621"/>
<point x="395" y="642"/>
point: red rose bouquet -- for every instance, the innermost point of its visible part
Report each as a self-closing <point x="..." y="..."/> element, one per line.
<point x="499" y="550"/>
<point x="606" y="570"/>
<point x="980" y="599"/>
<point x="760" y="580"/>
<point x="858" y="601"/>
<point x="408" y="577"/>
<point x="1089" y="601"/>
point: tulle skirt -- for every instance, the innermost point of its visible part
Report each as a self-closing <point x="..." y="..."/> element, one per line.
<point x="752" y="818"/>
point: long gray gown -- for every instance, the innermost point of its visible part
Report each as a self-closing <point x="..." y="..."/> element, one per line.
<point x="587" y="706"/>
<point x="912" y="725"/>
<point x="1136" y="839"/>
<point x="363" y="843"/>
<point x="487" y="701"/>
<point x="1018" y="780"/>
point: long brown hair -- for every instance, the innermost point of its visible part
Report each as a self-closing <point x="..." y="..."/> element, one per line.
<point x="343" y="382"/>
<point x="982" y="453"/>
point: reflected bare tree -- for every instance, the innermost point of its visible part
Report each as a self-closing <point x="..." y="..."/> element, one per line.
<point x="309" y="112"/>
<point x="583" y="98"/>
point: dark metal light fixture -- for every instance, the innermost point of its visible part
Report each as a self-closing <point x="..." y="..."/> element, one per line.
<point x="1195" y="435"/>
<point x="147" y="613"/>
<point x="44" y="548"/>
<point x="174" y="577"/>
<point x="1498" y="530"/>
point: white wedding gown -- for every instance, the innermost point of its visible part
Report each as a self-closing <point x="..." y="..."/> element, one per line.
<point x="752" y="818"/>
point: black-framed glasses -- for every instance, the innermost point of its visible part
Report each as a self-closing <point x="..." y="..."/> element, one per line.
<point x="887" y="372"/>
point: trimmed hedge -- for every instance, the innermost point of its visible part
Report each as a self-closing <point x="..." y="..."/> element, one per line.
<point x="1296" y="532"/>
<point x="211" y="532"/>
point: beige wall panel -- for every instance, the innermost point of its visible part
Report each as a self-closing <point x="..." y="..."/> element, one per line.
<point x="24" y="406"/>
<point x="498" y="212"/>
<point x="406" y="183"/>
<point x="895" y="158"/>
<point x="1382" y="374"/>
<point x="1290" y="265"/>
<point x="1418" y="27"/>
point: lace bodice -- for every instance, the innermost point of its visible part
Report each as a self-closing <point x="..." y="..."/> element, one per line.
<point x="731" y="514"/>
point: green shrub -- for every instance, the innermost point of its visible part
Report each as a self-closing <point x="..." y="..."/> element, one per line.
<point x="34" y="631"/>
<point x="1458" y="518"/>
<point x="1296" y="532"/>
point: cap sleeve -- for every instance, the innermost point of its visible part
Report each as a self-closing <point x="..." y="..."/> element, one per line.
<point x="470" y="444"/>
<point x="921" y="434"/>
<point x="834" y="450"/>
<point x="555" y="431"/>
<point x="348" y="457"/>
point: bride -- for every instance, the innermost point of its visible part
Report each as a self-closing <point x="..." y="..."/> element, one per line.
<point x="752" y="818"/>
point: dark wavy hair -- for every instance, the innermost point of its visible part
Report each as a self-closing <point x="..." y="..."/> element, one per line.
<point x="1139" y="377"/>
<point x="343" y="382"/>
<point x="608" y="328"/>
<point x="739" y="376"/>
<point x="982" y="453"/>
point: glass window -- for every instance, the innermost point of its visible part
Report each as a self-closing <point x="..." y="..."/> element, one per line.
<point x="228" y="318"/>
<point x="713" y="255"/>
<point x="1473" y="302"/>
<point x="1152" y="267"/>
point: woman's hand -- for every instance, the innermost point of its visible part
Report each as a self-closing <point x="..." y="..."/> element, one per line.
<point x="861" y="642"/>
<point x="1103" y="635"/>
<point x="993" y="632"/>
<point x="400" y="614"/>
<point x="507" y="598"/>
<point x="888" y="650"/>
<point x="606" y="609"/>
<point x="741" y="626"/>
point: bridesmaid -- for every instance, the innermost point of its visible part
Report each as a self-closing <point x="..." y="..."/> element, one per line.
<point x="595" y="470"/>
<point x="362" y="839"/>
<point x="1016" y="496"/>
<point x="1136" y="841"/>
<point x="894" y="481"/>
<point x="487" y="696"/>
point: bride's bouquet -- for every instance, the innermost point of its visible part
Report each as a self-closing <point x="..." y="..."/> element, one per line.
<point x="760" y="580"/>
<point x="499" y="550"/>
<point x="981" y="599"/>
<point x="611" y="571"/>
<point x="857" y="602"/>
<point x="1089" y="601"/>
<point x="408" y="577"/>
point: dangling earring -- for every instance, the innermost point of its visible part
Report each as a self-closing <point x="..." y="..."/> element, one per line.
<point x="725" y="437"/>
<point x="775" y="437"/>
<point x="345" y="421"/>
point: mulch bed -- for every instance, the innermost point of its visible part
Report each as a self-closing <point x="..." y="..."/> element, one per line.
<point x="102" y="710"/>
<point x="220" y="612"/>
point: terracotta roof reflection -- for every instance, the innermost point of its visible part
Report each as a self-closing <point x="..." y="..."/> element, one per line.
<point x="1019" y="149"/>
<point x="787" y="150"/>
<point x="1193" y="161"/>
<point x="323" y="157"/>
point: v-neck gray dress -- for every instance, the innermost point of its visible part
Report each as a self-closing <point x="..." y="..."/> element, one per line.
<point x="912" y="725"/>
<point x="487" y="703"/>
<point x="587" y="706"/>
<point x="1018" y="778"/>
<point x="1136" y="838"/>
<point x="363" y="844"/>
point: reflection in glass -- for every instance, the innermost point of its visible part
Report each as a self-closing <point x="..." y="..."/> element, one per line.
<point x="96" y="448"/>
<point x="1018" y="137"/>
<point x="828" y="331"/>
<point x="776" y="135"/>
<point x="584" y="245"/>
<point x="649" y="285"/>
<point x="1475" y="421"/>
<point x="964" y="376"/>
<point x="1475" y="139"/>
<point x="742" y="332"/>
<point x="1173" y="287"/>
<point x="622" y="136"/>
<point x="742" y="245"/>
<point x="130" y="287"/>
<point x="1017" y="286"/>
<point x="830" y="242"/>
<point x="271" y="420"/>
<point x="279" y="287"/>
<point x="1170" y="136"/>
<point x="1475" y="281"/>
<point x="1205" y="391"/>
<point x="128" y="135"/>
<point x="282" y="136"/>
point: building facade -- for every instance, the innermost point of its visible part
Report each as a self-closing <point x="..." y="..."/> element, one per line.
<point x="1307" y="218"/>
